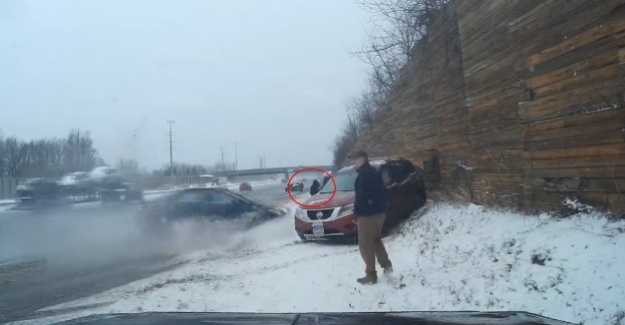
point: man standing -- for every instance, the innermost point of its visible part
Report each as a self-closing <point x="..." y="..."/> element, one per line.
<point x="315" y="187"/>
<point x="370" y="207"/>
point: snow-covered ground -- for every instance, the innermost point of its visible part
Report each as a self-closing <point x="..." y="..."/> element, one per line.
<point x="445" y="258"/>
<point x="7" y="201"/>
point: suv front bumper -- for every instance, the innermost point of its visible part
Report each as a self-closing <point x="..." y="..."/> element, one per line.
<point x="332" y="228"/>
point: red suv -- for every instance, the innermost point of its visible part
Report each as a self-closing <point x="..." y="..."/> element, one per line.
<point x="245" y="187"/>
<point x="336" y="220"/>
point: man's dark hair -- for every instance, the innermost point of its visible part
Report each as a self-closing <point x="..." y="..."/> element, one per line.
<point x="358" y="154"/>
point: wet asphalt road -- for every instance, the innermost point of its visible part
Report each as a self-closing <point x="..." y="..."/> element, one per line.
<point x="47" y="258"/>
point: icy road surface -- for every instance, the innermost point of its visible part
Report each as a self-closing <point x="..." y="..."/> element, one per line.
<point x="449" y="258"/>
<point x="67" y="254"/>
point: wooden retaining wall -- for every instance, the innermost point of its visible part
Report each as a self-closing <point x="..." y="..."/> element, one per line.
<point x="516" y="103"/>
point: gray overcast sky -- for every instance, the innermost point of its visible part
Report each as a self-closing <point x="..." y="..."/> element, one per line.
<point x="272" y="75"/>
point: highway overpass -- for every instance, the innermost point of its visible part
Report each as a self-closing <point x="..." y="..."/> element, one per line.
<point x="267" y="171"/>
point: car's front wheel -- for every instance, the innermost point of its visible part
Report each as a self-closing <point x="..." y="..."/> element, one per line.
<point x="420" y="200"/>
<point x="351" y="240"/>
<point x="302" y="237"/>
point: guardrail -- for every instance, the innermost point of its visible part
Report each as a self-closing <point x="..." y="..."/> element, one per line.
<point x="263" y="171"/>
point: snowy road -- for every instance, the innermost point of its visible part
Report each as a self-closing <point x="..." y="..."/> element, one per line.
<point x="446" y="258"/>
<point x="47" y="259"/>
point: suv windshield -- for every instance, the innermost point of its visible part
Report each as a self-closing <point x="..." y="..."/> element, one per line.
<point x="344" y="182"/>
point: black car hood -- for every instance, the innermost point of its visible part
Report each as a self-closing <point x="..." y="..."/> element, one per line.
<point x="399" y="318"/>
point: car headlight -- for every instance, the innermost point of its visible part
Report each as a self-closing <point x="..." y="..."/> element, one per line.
<point x="299" y="213"/>
<point x="346" y="210"/>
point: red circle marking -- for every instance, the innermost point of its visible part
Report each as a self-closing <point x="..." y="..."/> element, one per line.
<point x="311" y="206"/>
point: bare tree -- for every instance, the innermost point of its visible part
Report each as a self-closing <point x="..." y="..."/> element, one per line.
<point x="182" y="169"/>
<point x="397" y="27"/>
<point x="47" y="157"/>
<point x="345" y="141"/>
<point x="363" y="108"/>
<point x="79" y="153"/>
<point x="128" y="167"/>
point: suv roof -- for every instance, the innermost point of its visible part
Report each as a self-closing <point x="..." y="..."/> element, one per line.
<point x="375" y="162"/>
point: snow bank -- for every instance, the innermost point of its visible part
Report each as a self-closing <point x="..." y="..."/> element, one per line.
<point x="6" y="204"/>
<point x="449" y="258"/>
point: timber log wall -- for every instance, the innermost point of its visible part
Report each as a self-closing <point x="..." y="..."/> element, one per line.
<point x="516" y="103"/>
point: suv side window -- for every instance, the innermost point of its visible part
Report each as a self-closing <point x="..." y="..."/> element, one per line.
<point x="190" y="197"/>
<point x="406" y="169"/>
<point x="397" y="171"/>
<point x="387" y="177"/>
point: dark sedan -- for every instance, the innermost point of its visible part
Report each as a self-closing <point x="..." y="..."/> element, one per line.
<point x="38" y="192"/>
<point x="207" y="204"/>
<point x="295" y="187"/>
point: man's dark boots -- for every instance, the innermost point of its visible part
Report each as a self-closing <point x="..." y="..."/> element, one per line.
<point x="368" y="279"/>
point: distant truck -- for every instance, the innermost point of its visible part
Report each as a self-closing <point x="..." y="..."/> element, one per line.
<point x="110" y="186"/>
<point x="213" y="180"/>
<point x="121" y="193"/>
<point x="208" y="179"/>
<point x="38" y="192"/>
<point x="102" y="183"/>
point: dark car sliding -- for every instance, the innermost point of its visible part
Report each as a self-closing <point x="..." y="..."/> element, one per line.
<point x="336" y="219"/>
<point x="206" y="204"/>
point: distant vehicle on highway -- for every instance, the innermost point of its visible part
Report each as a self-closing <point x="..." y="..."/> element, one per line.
<point x="208" y="179"/>
<point x="103" y="183"/>
<point x="336" y="219"/>
<point x="121" y="193"/>
<point x="207" y="203"/>
<point x="75" y="185"/>
<point x="295" y="187"/>
<point x="38" y="192"/>
<point x="244" y="187"/>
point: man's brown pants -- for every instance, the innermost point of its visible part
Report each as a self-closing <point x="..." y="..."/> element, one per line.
<point x="370" y="243"/>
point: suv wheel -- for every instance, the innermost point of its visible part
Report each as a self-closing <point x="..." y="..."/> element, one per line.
<point x="420" y="200"/>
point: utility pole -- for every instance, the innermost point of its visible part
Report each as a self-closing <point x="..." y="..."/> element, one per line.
<point x="260" y="159"/>
<point x="171" y="150"/>
<point x="236" y="158"/>
<point x="223" y="167"/>
<point x="265" y="163"/>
